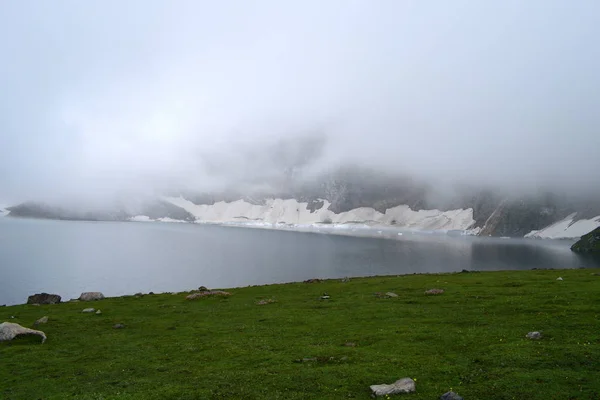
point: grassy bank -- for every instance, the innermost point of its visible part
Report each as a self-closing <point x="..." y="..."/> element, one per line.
<point x="471" y="338"/>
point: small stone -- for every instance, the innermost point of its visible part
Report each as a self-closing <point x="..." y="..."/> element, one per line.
<point x="98" y="312"/>
<point x="404" y="385"/>
<point x="391" y="294"/>
<point x="559" y="278"/>
<point x="534" y="335"/>
<point x="118" y="326"/>
<point x="434" y="291"/>
<point x="89" y="310"/>
<point x="265" y="301"/>
<point x="450" y="396"/>
<point x="345" y="279"/>
<point x="325" y="296"/>
<point x="89" y="296"/>
<point x="350" y="344"/>
<point x="40" y="321"/>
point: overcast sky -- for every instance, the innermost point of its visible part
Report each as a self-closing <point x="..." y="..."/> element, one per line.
<point x="104" y="96"/>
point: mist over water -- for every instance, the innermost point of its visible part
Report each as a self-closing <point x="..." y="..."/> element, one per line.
<point x="129" y="100"/>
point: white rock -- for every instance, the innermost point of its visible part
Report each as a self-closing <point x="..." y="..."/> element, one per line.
<point x="90" y="310"/>
<point x="559" y="278"/>
<point x="534" y="335"/>
<point x="98" y="312"/>
<point x="404" y="385"/>
<point x="88" y="296"/>
<point x="391" y="294"/>
<point x="9" y="330"/>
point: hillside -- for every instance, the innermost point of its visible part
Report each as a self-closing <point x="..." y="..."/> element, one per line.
<point x="589" y="243"/>
<point x="286" y="342"/>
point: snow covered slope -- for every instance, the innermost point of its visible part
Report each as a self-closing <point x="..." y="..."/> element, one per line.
<point x="567" y="228"/>
<point x="292" y="212"/>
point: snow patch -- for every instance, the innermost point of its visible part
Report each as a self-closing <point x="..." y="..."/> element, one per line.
<point x="141" y="218"/>
<point x="566" y="228"/>
<point x="291" y="214"/>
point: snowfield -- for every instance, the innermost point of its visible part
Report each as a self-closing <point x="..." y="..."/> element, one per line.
<point x="293" y="215"/>
<point x="567" y="228"/>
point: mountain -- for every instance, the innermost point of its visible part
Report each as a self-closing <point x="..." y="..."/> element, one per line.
<point x="589" y="243"/>
<point x="353" y="195"/>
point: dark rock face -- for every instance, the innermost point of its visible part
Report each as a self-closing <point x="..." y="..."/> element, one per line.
<point x="43" y="298"/>
<point x="589" y="243"/>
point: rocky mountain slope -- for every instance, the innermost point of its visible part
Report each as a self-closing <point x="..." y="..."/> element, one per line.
<point x="589" y="243"/>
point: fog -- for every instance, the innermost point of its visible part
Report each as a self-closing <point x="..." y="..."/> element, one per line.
<point x="140" y="97"/>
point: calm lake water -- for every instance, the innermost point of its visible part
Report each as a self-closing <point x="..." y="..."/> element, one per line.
<point x="119" y="258"/>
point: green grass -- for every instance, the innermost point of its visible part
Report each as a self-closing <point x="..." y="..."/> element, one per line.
<point x="470" y="338"/>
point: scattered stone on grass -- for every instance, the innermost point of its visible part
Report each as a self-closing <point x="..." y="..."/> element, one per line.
<point x="450" y="396"/>
<point x="313" y="280"/>
<point x="118" y="326"/>
<point x="9" y="330"/>
<point x="217" y="293"/>
<point x="89" y="310"/>
<point x="387" y="295"/>
<point x="98" y="312"/>
<point x="265" y="301"/>
<point x="404" y="385"/>
<point x="559" y="278"/>
<point x="325" y="296"/>
<point x="89" y="296"/>
<point x="40" y="321"/>
<point x="345" y="279"/>
<point x="350" y="344"/>
<point x="534" y="335"/>
<point x="43" y="298"/>
<point x="434" y="291"/>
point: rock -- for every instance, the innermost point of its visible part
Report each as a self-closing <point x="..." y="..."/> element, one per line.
<point x="265" y="301"/>
<point x="150" y="292"/>
<point x="325" y="296"/>
<point x="9" y="330"/>
<point x="89" y="310"/>
<point x="118" y="326"/>
<point x="40" y="321"/>
<point x="314" y="280"/>
<point x="534" y="335"/>
<point x="391" y="294"/>
<point x="589" y="243"/>
<point x="464" y="271"/>
<point x="89" y="296"/>
<point x="350" y="344"/>
<point x="434" y="291"/>
<point x="450" y="396"/>
<point x="98" y="312"/>
<point x="345" y="279"/>
<point x="404" y="385"/>
<point x="43" y="298"/>
<point x="216" y="293"/>
<point x="559" y="278"/>
<point x="203" y="289"/>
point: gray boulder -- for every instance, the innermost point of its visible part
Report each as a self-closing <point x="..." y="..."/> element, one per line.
<point x="89" y="310"/>
<point x="404" y="385"/>
<point x="40" y="321"/>
<point x="534" y="335"/>
<point x="43" y="298"/>
<point x="450" y="396"/>
<point x="89" y="296"/>
<point x="9" y="331"/>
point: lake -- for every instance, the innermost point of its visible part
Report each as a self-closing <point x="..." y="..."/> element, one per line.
<point x="118" y="258"/>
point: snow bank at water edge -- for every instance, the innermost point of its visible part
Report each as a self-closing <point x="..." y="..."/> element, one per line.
<point x="145" y="218"/>
<point x="290" y="212"/>
<point x="566" y="228"/>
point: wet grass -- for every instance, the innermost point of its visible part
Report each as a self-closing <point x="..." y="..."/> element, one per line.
<point x="471" y="338"/>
